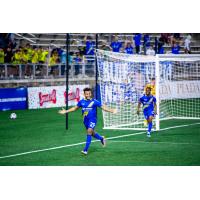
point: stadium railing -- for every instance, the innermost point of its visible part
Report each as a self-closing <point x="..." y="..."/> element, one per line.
<point x="82" y="70"/>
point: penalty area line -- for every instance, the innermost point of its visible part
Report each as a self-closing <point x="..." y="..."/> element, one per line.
<point x="81" y="143"/>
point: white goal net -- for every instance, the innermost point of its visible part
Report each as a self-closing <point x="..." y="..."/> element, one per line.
<point x="123" y="78"/>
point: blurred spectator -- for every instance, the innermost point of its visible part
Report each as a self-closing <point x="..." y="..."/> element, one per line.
<point x="63" y="57"/>
<point x="8" y="59"/>
<point x="7" y="40"/>
<point x="82" y="50"/>
<point x="42" y="55"/>
<point x="165" y="37"/>
<point x="77" y="63"/>
<point x="146" y="43"/>
<point x="161" y="45"/>
<point x="150" y="51"/>
<point x="137" y="39"/>
<point x="34" y="58"/>
<point x="30" y="52"/>
<point x="2" y="55"/>
<point x="16" y="59"/>
<point x="176" y="48"/>
<point x="24" y="56"/>
<point x="54" y="60"/>
<point x="105" y="46"/>
<point x="42" y="58"/>
<point x="128" y="48"/>
<point x="8" y="55"/>
<point x="63" y="62"/>
<point x="175" y="38"/>
<point x="116" y="45"/>
<point x="1" y="62"/>
<point x="89" y="45"/>
<point x="187" y="43"/>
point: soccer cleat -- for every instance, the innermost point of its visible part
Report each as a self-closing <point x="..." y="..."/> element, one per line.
<point x="148" y="134"/>
<point x="84" y="152"/>
<point x="103" y="142"/>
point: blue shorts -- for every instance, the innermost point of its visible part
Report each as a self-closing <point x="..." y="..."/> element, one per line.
<point x="90" y="123"/>
<point x="148" y="113"/>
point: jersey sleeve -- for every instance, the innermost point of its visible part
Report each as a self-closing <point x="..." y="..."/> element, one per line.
<point x="140" y="100"/>
<point x="98" y="103"/>
<point x="154" y="99"/>
<point x="79" y="104"/>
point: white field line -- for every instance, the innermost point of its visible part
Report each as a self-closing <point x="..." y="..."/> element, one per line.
<point x="140" y="141"/>
<point x="81" y="143"/>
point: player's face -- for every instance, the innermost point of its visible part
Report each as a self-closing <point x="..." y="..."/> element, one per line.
<point x="153" y="82"/>
<point x="88" y="94"/>
<point x="148" y="91"/>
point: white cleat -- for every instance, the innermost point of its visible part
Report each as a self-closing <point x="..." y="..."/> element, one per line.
<point x="84" y="152"/>
<point x="103" y="142"/>
<point x="148" y="134"/>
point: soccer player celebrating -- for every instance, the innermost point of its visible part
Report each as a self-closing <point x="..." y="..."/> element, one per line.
<point x="152" y="85"/>
<point x="149" y="108"/>
<point x="89" y="105"/>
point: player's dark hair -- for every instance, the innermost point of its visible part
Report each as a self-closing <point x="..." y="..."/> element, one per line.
<point x="148" y="88"/>
<point x="87" y="90"/>
<point x="153" y="79"/>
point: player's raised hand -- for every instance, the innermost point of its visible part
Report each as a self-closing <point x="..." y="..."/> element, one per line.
<point x="63" y="111"/>
<point x="114" y="111"/>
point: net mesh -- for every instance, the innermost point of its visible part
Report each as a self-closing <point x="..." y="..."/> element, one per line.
<point x="123" y="79"/>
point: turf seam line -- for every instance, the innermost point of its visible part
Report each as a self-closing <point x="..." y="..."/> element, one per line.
<point x="80" y="143"/>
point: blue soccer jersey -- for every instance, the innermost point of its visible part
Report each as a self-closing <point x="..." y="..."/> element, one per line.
<point x="176" y="49"/>
<point x="89" y="112"/>
<point x="116" y="46"/>
<point x="137" y="39"/>
<point x="129" y="50"/>
<point x="90" y="47"/>
<point x="148" y="105"/>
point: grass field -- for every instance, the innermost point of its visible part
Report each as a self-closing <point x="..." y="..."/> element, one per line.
<point x="38" y="137"/>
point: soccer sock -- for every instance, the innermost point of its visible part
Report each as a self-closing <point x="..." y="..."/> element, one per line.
<point x="149" y="126"/>
<point x="88" y="142"/>
<point x="97" y="136"/>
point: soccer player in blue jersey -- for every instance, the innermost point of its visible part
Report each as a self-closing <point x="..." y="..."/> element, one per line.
<point x="89" y="105"/>
<point x="149" y="108"/>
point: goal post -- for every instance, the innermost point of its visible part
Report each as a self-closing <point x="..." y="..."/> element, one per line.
<point x="122" y="79"/>
<point x="157" y="78"/>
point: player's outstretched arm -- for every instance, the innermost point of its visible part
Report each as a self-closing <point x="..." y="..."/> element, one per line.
<point x="63" y="111"/>
<point x="105" y="108"/>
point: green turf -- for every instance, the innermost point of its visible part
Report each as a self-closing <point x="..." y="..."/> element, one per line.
<point x="40" y="129"/>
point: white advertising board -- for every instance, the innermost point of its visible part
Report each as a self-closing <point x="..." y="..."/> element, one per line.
<point x="180" y="90"/>
<point x="54" y="96"/>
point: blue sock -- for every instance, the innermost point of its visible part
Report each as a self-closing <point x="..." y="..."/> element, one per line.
<point x="149" y="126"/>
<point x="88" y="142"/>
<point x="97" y="136"/>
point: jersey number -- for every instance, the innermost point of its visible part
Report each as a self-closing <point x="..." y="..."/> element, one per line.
<point x="92" y="125"/>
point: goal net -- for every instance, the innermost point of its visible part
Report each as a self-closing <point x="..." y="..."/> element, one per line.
<point x="123" y="78"/>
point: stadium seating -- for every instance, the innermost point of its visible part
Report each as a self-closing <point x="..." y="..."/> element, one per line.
<point x="86" y="67"/>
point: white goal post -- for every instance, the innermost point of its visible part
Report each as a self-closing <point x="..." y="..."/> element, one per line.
<point x="122" y="79"/>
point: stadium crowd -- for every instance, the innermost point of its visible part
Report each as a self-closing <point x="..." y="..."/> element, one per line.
<point x="11" y="53"/>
